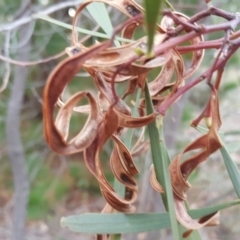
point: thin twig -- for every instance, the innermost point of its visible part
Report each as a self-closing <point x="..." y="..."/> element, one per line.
<point x="221" y="53"/>
<point x="49" y="10"/>
<point x="219" y="65"/>
<point x="7" y="65"/>
<point x="203" y="14"/>
<point x="32" y="63"/>
<point x="15" y="147"/>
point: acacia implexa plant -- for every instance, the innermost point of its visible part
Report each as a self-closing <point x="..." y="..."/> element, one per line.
<point x="109" y="114"/>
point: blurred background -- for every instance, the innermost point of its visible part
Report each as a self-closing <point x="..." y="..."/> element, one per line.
<point x="40" y="186"/>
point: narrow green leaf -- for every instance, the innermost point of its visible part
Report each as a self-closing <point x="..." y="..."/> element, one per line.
<point x="82" y="30"/>
<point x="232" y="169"/>
<point x="161" y="162"/>
<point x="169" y="5"/>
<point x="198" y="213"/>
<point x="233" y="146"/>
<point x="97" y="223"/>
<point x="152" y="8"/>
<point x="204" y="130"/>
<point x="99" y="12"/>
